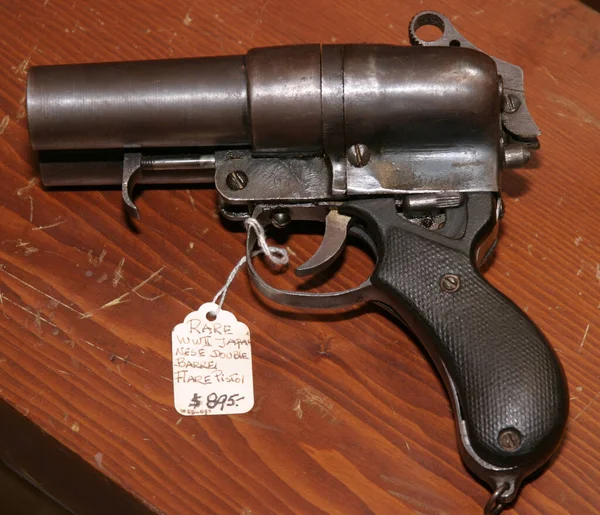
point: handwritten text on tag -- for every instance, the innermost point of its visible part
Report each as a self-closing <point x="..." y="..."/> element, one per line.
<point x="212" y="364"/>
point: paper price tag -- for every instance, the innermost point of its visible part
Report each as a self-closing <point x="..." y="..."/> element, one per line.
<point x="212" y="364"/>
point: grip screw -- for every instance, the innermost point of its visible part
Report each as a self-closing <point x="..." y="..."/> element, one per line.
<point x="359" y="155"/>
<point x="450" y="283"/>
<point x="509" y="439"/>
<point x="236" y="180"/>
<point x="511" y="103"/>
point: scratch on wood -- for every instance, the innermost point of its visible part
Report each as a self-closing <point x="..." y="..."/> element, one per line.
<point x="578" y="240"/>
<point x="187" y="21"/>
<point x="118" y="273"/>
<point x="314" y="399"/>
<point x="37" y="316"/>
<point x="58" y="302"/>
<point x="75" y="427"/>
<point x="586" y="407"/>
<point x="31" y="184"/>
<point x="412" y="501"/>
<point x="114" y="302"/>
<point x="407" y="446"/>
<point x="123" y="298"/>
<point x="298" y="409"/>
<point x="96" y="261"/>
<point x="146" y="281"/>
<point x="22" y="68"/>
<point x="150" y="299"/>
<point x="580" y="113"/>
<point x="98" y="459"/>
<point x="584" y="337"/>
<point x="44" y="227"/>
<point x="192" y="201"/>
<point x="4" y="124"/>
<point x="38" y="321"/>
<point x="258" y="21"/>
<point x="547" y="72"/>
<point x="93" y="345"/>
<point x="28" y="249"/>
<point x="124" y="360"/>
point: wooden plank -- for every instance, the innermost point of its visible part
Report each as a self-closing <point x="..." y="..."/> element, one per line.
<point x="350" y="417"/>
<point x="54" y="473"/>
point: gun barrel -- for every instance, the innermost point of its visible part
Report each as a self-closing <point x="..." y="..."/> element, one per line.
<point x="429" y="116"/>
<point x="164" y="103"/>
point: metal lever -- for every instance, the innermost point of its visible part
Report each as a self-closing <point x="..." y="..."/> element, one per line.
<point x="132" y="172"/>
<point x="147" y="170"/>
<point x="336" y="226"/>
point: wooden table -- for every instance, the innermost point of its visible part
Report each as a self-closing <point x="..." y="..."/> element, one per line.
<point x="349" y="417"/>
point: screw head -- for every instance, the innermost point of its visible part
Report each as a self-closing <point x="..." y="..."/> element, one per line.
<point x="450" y="283"/>
<point x="280" y="219"/>
<point x="509" y="439"/>
<point x="511" y="103"/>
<point x="359" y="155"/>
<point x="236" y="180"/>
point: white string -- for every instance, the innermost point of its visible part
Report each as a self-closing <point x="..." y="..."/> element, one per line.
<point x="277" y="255"/>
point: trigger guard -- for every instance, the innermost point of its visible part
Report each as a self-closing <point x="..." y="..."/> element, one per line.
<point x="343" y="299"/>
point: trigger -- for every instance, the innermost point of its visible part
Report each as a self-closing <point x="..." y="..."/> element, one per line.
<point x="132" y="170"/>
<point x="336" y="227"/>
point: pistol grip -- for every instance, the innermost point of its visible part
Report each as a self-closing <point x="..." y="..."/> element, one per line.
<point x="508" y="388"/>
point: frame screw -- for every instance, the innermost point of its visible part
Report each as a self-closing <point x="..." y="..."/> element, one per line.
<point x="280" y="219"/>
<point x="237" y="180"/>
<point x="509" y="439"/>
<point x="511" y="103"/>
<point x="450" y="283"/>
<point x="359" y="155"/>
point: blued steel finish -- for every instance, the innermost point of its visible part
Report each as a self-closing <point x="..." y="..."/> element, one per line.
<point x="428" y="117"/>
<point x="166" y="103"/>
<point x="407" y="98"/>
<point x="60" y="169"/>
<point x="332" y="108"/>
<point x="284" y="90"/>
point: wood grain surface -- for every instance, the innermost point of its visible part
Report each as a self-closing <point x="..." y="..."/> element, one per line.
<point x="350" y="417"/>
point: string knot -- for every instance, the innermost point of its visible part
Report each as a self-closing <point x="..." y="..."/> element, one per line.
<point x="276" y="255"/>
